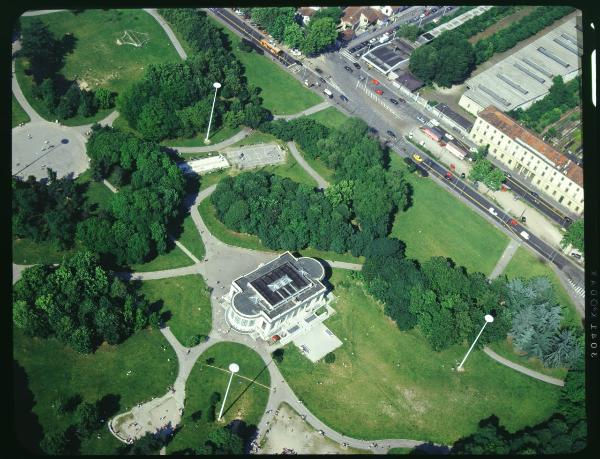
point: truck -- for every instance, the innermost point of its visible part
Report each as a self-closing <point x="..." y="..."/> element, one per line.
<point x="385" y="37"/>
<point x="434" y="122"/>
<point x="328" y="93"/>
<point x="455" y="150"/>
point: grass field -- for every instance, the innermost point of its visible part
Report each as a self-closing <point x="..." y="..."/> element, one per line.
<point x="246" y="399"/>
<point x="186" y="302"/>
<point x="282" y="94"/>
<point x="249" y="241"/>
<point x="174" y="258"/>
<point x="438" y="224"/>
<point x="253" y="138"/>
<point x="330" y="117"/>
<point x="18" y="114"/>
<point x="390" y="384"/>
<point x="525" y="264"/>
<point x="97" y="59"/>
<point x="54" y="369"/>
<point x="292" y="170"/>
<point x="190" y="238"/>
<point x="318" y="165"/>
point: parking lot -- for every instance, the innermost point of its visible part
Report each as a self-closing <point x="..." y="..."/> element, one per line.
<point x="37" y="146"/>
<point x="256" y="155"/>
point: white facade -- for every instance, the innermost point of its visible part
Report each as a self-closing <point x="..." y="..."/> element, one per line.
<point x="557" y="178"/>
<point x="263" y="321"/>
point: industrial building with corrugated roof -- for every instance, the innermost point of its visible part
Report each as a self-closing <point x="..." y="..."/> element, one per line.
<point x="526" y="76"/>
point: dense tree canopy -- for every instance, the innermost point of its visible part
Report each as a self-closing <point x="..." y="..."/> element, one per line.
<point x="484" y="171"/>
<point x="47" y="211"/>
<point x="447" y="60"/>
<point x="134" y="228"/>
<point x="408" y="31"/>
<point x="175" y="99"/>
<point x="42" y="49"/>
<point x="79" y="303"/>
<point x="320" y="34"/>
<point x="574" y="236"/>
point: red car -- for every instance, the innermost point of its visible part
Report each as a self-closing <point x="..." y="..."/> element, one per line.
<point x="379" y="91"/>
<point x="448" y="175"/>
<point x="375" y="81"/>
<point x="513" y="222"/>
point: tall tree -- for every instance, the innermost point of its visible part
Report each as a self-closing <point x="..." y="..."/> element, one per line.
<point x="320" y="34"/>
<point x="574" y="236"/>
<point x="41" y="48"/>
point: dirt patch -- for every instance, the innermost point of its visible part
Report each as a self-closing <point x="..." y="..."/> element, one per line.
<point x="501" y="24"/>
<point x="288" y="430"/>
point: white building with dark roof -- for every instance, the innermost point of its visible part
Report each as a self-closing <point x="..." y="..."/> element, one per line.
<point x="278" y="298"/>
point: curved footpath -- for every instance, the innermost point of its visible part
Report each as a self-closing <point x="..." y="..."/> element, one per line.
<point x="300" y="160"/>
<point x="522" y="369"/>
<point x="167" y="28"/>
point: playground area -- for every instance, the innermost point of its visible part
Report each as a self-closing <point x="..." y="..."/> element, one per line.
<point x="258" y="155"/>
<point x="161" y="414"/>
<point x="40" y="145"/>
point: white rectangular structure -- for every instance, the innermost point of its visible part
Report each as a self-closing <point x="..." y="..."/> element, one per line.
<point x="204" y="165"/>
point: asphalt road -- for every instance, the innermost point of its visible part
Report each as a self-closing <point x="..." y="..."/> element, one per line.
<point x="361" y="104"/>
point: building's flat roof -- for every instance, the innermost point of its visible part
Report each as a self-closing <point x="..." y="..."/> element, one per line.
<point x="512" y="129"/>
<point x="278" y="286"/>
<point x="527" y="74"/>
<point x="388" y="56"/>
<point x="458" y="119"/>
<point x="454" y="23"/>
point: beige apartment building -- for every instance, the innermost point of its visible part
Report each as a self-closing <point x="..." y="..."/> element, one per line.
<point x="551" y="172"/>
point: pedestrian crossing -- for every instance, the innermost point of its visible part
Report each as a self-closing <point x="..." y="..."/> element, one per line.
<point x="578" y="288"/>
<point x="294" y="68"/>
<point x="348" y="56"/>
<point x="378" y="98"/>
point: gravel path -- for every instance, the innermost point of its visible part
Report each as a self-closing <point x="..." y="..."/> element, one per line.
<point x="309" y="111"/>
<point x="217" y="146"/>
<point x="522" y="369"/>
<point x="507" y="255"/>
<point x="154" y="13"/>
<point x="298" y="157"/>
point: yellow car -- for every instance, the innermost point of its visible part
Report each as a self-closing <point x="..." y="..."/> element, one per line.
<point x="417" y="158"/>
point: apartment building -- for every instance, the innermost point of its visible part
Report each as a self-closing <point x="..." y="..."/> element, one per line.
<point x="549" y="171"/>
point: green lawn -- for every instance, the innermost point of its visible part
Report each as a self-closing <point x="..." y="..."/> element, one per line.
<point x="246" y="399"/>
<point x="255" y="137"/>
<point x="249" y="241"/>
<point x="292" y="170"/>
<point x="96" y="192"/>
<point x="438" y="224"/>
<point x="525" y="264"/>
<point x="54" y="369"/>
<point x="330" y="117"/>
<point x="98" y="59"/>
<point x="282" y="94"/>
<point x="318" y="165"/>
<point x="18" y="114"/>
<point x="390" y="384"/>
<point x="190" y="238"/>
<point x="223" y="133"/>
<point x="174" y="258"/>
<point x="186" y="301"/>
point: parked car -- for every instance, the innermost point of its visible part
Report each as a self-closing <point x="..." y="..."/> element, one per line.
<point x="322" y="80"/>
<point x="379" y="91"/>
<point x="417" y="158"/>
<point x="295" y="52"/>
<point x="421" y="119"/>
<point x="492" y="211"/>
<point x="462" y="175"/>
<point x="576" y="255"/>
<point x="448" y="175"/>
<point x="374" y="81"/>
<point x="449" y="136"/>
<point x="344" y="98"/>
<point x="401" y="100"/>
<point x="391" y="134"/>
<point x="513" y="222"/>
<point x="524" y="235"/>
<point x="523" y="219"/>
<point x="394" y="101"/>
<point x="356" y="65"/>
<point x="348" y="68"/>
<point x="373" y="40"/>
<point x="318" y="70"/>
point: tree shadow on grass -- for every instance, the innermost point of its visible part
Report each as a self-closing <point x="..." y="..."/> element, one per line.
<point x="29" y="431"/>
<point x="245" y="389"/>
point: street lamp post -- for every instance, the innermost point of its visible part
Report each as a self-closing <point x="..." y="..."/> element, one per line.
<point x="488" y="319"/>
<point x="216" y="85"/>
<point x="233" y="368"/>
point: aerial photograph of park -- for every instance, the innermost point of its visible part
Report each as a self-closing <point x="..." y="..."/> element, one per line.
<point x="298" y="230"/>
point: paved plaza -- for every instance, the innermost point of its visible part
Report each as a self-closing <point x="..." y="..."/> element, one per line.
<point x="317" y="342"/>
<point x="39" y="145"/>
<point x="256" y="155"/>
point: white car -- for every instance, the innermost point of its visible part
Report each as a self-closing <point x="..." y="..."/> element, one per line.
<point x="295" y="52"/>
<point x="525" y="235"/>
<point x="449" y="136"/>
<point x="372" y="40"/>
<point x="492" y="211"/>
